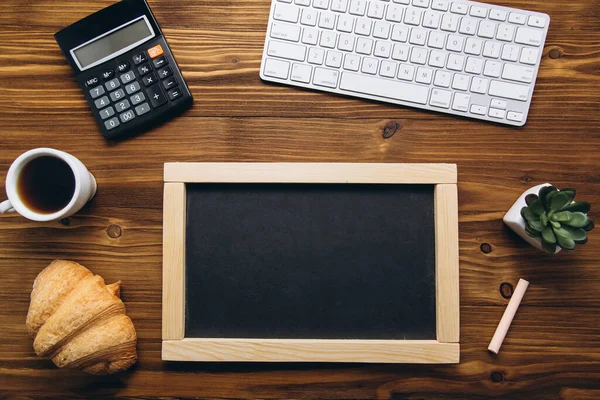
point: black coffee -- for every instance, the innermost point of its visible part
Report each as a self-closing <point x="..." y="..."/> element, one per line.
<point x="46" y="185"/>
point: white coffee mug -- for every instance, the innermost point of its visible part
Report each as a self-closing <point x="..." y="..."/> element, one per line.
<point x="85" y="186"/>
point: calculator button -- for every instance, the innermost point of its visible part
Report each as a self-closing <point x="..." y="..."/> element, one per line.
<point x="140" y="58"/>
<point x="111" y="123"/>
<point x="127" y="116"/>
<point x="92" y="81"/>
<point x="123" y="66"/>
<point x="128" y="77"/>
<point x="144" y="69"/>
<point x="160" y="62"/>
<point x="149" y="80"/>
<point x="169" y="83"/>
<point x="97" y="91"/>
<point x="175" y="93"/>
<point x="117" y="95"/>
<point x="112" y="84"/>
<point x="132" y="87"/>
<point x="165" y="72"/>
<point x="155" y="51"/>
<point x="122" y="105"/>
<point x="137" y="98"/>
<point x="102" y="102"/>
<point x="107" y="112"/>
<point x="142" y="109"/>
<point x="156" y="96"/>
<point x="108" y="74"/>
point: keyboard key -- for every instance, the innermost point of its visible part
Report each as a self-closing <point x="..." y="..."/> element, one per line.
<point x="421" y="3"/>
<point x="506" y="32"/>
<point x="321" y="4"/>
<point x="142" y="109"/>
<point x="386" y="88"/>
<point x="283" y="31"/>
<point x="495" y="113"/>
<point x="364" y="46"/>
<point x="424" y="75"/>
<point x="310" y="36"/>
<point x="276" y="68"/>
<point x="358" y="7"/>
<point x="123" y="66"/>
<point x="286" y="50"/>
<point x="442" y="79"/>
<point x="487" y="29"/>
<point x="498" y="15"/>
<point x="102" y="102"/>
<point x="455" y="62"/>
<point x="369" y="65"/>
<point x="394" y="13"/>
<point x="400" y="52"/>
<point x="536" y="21"/>
<point x="144" y="69"/>
<point x="112" y="123"/>
<point x="174" y="94"/>
<point x="93" y="81"/>
<point x="418" y="36"/>
<point x="412" y="16"/>
<point x="400" y="33"/>
<point x="478" y="109"/>
<point x="461" y="102"/>
<point x="382" y="49"/>
<point x="159" y="62"/>
<point x="460" y="82"/>
<point x="107" y="112"/>
<point x="140" y="58"/>
<point x="388" y="69"/>
<point x="339" y="6"/>
<point x="376" y="10"/>
<point x="309" y="17"/>
<point x="510" y="52"/>
<point x="117" y="95"/>
<point x="108" y="74"/>
<point x="333" y="59"/>
<point x="431" y="19"/>
<point x="316" y="56"/>
<point x="363" y="27"/>
<point x="287" y="13"/>
<point x="418" y="55"/>
<point x="516" y="18"/>
<point x="479" y="12"/>
<point x="501" y="104"/>
<point x="532" y="37"/>
<point x="455" y="43"/>
<point x="479" y="85"/>
<point x="328" y="39"/>
<point x="492" y="69"/>
<point x="514" y="116"/>
<point x="132" y="87"/>
<point x="509" y="90"/>
<point x="351" y="62"/>
<point x="127" y="116"/>
<point x="474" y="65"/>
<point x="491" y="49"/>
<point x="473" y="46"/>
<point x="301" y="73"/>
<point x="155" y="51"/>
<point x="440" y="98"/>
<point x="128" y="77"/>
<point x="97" y="92"/>
<point x="381" y="30"/>
<point x="437" y="59"/>
<point x="406" y="72"/>
<point x="346" y="42"/>
<point x="450" y="22"/>
<point x="326" y="77"/>
<point x="518" y="73"/>
<point x="156" y="96"/>
<point x="112" y="84"/>
<point x="459" y="8"/>
<point x="165" y="72"/>
<point x="437" y="40"/>
<point x="137" y="98"/>
<point x="345" y="23"/>
<point x="327" y="20"/>
<point x="529" y="56"/>
<point x="468" y="26"/>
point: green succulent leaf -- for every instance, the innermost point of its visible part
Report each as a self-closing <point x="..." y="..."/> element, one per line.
<point x="577" y="234"/>
<point x="544" y="219"/>
<point x="578" y="220"/>
<point x="555" y="224"/>
<point x="548" y="235"/>
<point x="562" y="216"/>
<point x="528" y="215"/>
<point x="589" y="226"/>
<point x="549" y="247"/>
<point x="537" y="208"/>
<point x="532" y="232"/>
<point x="566" y="243"/>
<point x="530" y="198"/>
<point x="570" y="191"/>
<point x="581" y="206"/>
<point x="560" y="200"/>
<point x="548" y="199"/>
<point x="544" y="193"/>
<point x="536" y="225"/>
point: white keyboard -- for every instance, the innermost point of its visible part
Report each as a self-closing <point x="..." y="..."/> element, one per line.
<point x="458" y="57"/>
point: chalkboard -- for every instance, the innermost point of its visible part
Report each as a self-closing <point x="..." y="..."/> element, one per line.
<point x="310" y="262"/>
<point x="317" y="261"/>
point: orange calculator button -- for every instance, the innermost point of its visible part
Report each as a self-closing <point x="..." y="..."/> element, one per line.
<point x="155" y="51"/>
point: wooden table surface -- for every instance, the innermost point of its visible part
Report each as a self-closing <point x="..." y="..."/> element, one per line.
<point x="553" y="348"/>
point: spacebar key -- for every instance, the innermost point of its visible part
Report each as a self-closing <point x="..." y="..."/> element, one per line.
<point x="384" y="88"/>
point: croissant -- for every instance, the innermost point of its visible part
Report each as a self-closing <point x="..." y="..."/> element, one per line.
<point x="79" y="322"/>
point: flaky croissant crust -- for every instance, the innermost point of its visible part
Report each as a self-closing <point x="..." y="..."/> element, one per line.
<point x="79" y="322"/>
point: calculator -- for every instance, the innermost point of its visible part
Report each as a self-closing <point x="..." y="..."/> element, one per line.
<point x="125" y="68"/>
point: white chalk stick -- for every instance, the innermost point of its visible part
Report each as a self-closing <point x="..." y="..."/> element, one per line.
<point x="508" y="316"/>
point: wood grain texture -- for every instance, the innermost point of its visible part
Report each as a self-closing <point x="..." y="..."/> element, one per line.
<point x="173" y="276"/>
<point x="311" y="350"/>
<point x="447" y="299"/>
<point x="552" y="349"/>
<point x="310" y="173"/>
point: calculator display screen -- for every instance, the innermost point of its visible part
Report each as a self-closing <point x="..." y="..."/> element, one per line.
<point x="111" y="43"/>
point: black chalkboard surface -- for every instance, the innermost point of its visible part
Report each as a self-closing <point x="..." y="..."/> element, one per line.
<point x="318" y="261"/>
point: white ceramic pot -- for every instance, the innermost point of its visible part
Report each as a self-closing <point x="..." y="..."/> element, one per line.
<point x="515" y="221"/>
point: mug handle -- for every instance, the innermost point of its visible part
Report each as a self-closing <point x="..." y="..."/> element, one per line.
<point x="6" y="207"/>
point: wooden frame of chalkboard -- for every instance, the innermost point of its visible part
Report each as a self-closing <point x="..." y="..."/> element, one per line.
<point x="444" y="350"/>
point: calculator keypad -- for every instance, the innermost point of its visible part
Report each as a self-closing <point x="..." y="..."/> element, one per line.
<point x="123" y="94"/>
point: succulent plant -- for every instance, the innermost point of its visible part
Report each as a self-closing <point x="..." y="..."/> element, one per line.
<point x="556" y="218"/>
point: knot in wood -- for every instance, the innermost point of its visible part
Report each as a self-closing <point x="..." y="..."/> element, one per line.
<point x="114" y="231"/>
<point x="497" y="376"/>
<point x="390" y="129"/>
<point x="506" y="290"/>
<point x="486" y="248"/>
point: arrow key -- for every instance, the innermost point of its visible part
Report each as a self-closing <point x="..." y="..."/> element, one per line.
<point x="175" y="93"/>
<point x="160" y="62"/>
